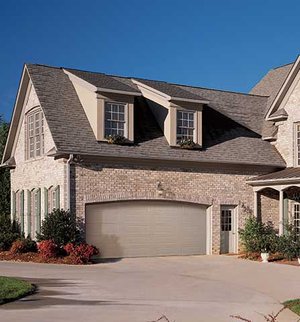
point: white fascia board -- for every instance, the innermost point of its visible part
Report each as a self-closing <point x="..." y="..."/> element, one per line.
<point x="115" y="91"/>
<point x="189" y="100"/>
<point x="80" y="81"/>
<point x="283" y="88"/>
<point x="266" y="138"/>
<point x="273" y="181"/>
<point x="13" y="126"/>
<point x="278" y="117"/>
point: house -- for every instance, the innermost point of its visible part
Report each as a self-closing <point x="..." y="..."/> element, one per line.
<point x="150" y="196"/>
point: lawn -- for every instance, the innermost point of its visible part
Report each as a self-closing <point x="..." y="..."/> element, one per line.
<point x="13" y="289"/>
<point x="293" y="305"/>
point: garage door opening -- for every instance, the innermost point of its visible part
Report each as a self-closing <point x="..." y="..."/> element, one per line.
<point x="147" y="228"/>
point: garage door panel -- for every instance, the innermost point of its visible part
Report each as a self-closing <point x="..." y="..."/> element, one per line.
<point x="146" y="228"/>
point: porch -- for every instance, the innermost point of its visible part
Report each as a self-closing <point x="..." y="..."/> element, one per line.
<point x="277" y="198"/>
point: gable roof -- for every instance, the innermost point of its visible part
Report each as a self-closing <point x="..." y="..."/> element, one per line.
<point x="271" y="83"/>
<point x="230" y="133"/>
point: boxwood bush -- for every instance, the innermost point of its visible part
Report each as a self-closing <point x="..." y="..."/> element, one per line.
<point x="62" y="228"/>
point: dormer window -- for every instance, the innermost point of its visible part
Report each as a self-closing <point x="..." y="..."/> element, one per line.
<point x="35" y="134"/>
<point x="185" y="125"/>
<point x="115" y="119"/>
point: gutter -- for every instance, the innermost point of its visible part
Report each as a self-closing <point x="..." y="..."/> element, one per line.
<point x="71" y="157"/>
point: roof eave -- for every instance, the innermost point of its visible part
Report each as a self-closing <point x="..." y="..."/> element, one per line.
<point x="283" y="90"/>
<point x="115" y="91"/>
<point x="273" y="181"/>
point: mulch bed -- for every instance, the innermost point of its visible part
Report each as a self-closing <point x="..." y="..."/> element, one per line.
<point x="274" y="258"/>
<point x="36" y="258"/>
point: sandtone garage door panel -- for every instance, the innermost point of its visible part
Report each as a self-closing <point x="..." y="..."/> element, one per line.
<point x="146" y="228"/>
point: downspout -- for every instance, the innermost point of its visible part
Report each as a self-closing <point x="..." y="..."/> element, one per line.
<point x="71" y="157"/>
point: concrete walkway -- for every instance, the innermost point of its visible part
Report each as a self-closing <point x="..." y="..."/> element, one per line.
<point x="185" y="289"/>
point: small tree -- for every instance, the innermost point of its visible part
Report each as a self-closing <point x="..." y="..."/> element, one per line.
<point x="62" y="227"/>
<point x="9" y="232"/>
<point x="258" y="237"/>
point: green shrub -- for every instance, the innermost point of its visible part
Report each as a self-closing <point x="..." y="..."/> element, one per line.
<point x="9" y="232"/>
<point x="61" y="227"/>
<point x="289" y="243"/>
<point x="258" y="237"/>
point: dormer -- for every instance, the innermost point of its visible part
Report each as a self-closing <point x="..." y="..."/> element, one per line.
<point x="178" y="112"/>
<point x="108" y="103"/>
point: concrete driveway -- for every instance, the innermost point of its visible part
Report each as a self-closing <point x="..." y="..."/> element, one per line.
<point x="185" y="289"/>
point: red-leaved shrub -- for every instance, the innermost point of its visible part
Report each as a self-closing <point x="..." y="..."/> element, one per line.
<point x="81" y="253"/>
<point x="21" y="246"/>
<point x="18" y="247"/>
<point x="47" y="248"/>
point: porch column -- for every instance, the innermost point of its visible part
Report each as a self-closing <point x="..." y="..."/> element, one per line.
<point x="255" y="206"/>
<point x="281" y="210"/>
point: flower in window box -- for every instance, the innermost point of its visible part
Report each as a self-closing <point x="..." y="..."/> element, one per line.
<point x="116" y="139"/>
<point x="187" y="144"/>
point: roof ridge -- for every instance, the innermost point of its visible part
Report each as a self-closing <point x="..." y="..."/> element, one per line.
<point x="281" y="66"/>
<point x="147" y="79"/>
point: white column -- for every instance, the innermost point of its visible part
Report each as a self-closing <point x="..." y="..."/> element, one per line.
<point x="281" y="209"/>
<point x="255" y="206"/>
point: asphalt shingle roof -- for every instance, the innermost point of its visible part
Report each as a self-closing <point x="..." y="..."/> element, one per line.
<point x="225" y="139"/>
<point x="271" y="83"/>
<point x="171" y="89"/>
<point x="104" y="81"/>
<point x="288" y="173"/>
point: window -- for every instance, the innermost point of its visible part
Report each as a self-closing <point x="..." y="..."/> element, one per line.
<point x="36" y="212"/>
<point x="35" y="134"/>
<point x="53" y="198"/>
<point x="226" y="220"/>
<point x="114" y="119"/>
<point x="296" y="218"/>
<point x="185" y="125"/>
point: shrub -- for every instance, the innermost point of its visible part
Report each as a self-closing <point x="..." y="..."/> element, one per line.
<point x="25" y="245"/>
<point x="116" y="139"/>
<point x="9" y="232"/>
<point x="187" y="144"/>
<point x="258" y="237"/>
<point x="18" y="247"/>
<point x="47" y="248"/>
<point x="289" y="243"/>
<point x="30" y="245"/>
<point x="62" y="227"/>
<point x="81" y="253"/>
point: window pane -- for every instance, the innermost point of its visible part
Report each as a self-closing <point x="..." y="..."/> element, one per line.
<point x="114" y="119"/>
<point x="185" y="125"/>
<point x="35" y="134"/>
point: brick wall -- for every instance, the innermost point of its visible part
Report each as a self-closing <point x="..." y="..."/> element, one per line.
<point x="209" y="186"/>
<point x="42" y="172"/>
<point x="268" y="206"/>
<point x="286" y="130"/>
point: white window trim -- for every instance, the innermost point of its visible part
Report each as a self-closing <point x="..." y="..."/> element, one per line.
<point x="195" y="130"/>
<point x="126" y="130"/>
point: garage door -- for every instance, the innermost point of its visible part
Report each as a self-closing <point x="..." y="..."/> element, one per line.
<point x="146" y="228"/>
